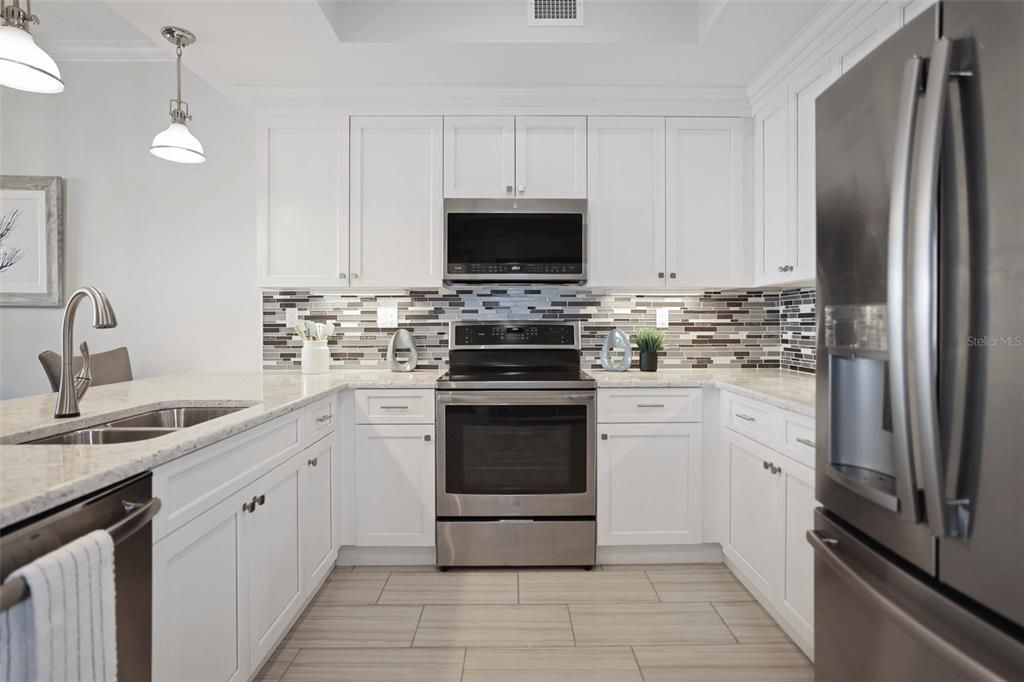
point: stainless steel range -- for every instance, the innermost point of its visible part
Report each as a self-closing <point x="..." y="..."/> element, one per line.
<point x="515" y="448"/>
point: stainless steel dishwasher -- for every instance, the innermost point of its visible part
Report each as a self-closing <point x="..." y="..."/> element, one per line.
<point x="125" y="510"/>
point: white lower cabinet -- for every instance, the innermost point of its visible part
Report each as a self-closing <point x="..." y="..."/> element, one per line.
<point x="649" y="484"/>
<point x="316" y="500"/>
<point x="754" y="511"/>
<point x="395" y="485"/>
<point x="797" y="597"/>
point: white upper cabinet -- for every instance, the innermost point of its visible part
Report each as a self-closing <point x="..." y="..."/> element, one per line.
<point x="803" y="91"/>
<point x="775" y="241"/>
<point x="551" y="157"/>
<point x="479" y="156"/>
<point x="705" y="221"/>
<point x="626" y="207"/>
<point x="302" y="217"/>
<point x="878" y="21"/>
<point x="396" y="201"/>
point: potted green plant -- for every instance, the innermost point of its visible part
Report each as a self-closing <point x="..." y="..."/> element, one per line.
<point x="649" y="341"/>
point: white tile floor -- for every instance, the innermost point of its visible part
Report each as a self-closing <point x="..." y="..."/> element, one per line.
<point x="614" y="624"/>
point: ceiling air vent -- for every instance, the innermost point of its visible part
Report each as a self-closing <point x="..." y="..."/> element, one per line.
<point x="554" y="12"/>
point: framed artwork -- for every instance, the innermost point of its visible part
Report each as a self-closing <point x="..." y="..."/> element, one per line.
<point x="31" y="241"/>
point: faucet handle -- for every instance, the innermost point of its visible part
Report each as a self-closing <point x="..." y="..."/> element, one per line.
<point x="83" y="378"/>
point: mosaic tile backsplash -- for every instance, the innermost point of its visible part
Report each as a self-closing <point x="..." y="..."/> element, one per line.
<point x="735" y="329"/>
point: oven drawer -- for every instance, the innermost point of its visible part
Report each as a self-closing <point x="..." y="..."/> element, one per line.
<point x="395" y="406"/>
<point x="638" y="405"/>
<point x="516" y="542"/>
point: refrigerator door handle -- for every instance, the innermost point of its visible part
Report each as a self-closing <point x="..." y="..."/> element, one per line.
<point x="922" y="292"/>
<point x="827" y="549"/>
<point x="899" y="213"/>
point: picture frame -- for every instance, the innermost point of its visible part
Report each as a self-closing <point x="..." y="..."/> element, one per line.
<point x="31" y="241"/>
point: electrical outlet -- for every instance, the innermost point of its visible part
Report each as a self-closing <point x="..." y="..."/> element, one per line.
<point x="291" y="316"/>
<point x="661" y="321"/>
<point x="387" y="317"/>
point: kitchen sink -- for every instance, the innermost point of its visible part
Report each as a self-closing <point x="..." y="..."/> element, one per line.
<point x="172" y="417"/>
<point x="102" y="436"/>
<point x="142" y="426"/>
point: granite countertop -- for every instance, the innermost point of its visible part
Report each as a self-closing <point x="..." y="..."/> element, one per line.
<point x="791" y="391"/>
<point x="34" y="478"/>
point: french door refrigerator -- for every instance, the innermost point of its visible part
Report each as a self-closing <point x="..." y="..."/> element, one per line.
<point x="919" y="545"/>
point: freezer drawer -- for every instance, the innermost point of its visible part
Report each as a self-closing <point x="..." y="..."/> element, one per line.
<point x="875" y="620"/>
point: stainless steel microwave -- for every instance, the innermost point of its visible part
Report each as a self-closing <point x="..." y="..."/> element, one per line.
<point x="524" y="240"/>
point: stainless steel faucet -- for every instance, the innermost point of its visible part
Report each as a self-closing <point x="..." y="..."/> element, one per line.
<point x="74" y="387"/>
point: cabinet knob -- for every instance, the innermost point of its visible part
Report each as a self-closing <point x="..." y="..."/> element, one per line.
<point x="260" y="500"/>
<point x="355" y="275"/>
<point x="312" y="462"/>
<point x="785" y="268"/>
<point x="249" y="507"/>
<point x="776" y="470"/>
<point x="342" y="275"/>
<point x="508" y="188"/>
<point x="427" y="437"/>
<point x="522" y="188"/>
<point x="672" y="275"/>
<point x="604" y="436"/>
<point x="661" y="275"/>
<point x="765" y="465"/>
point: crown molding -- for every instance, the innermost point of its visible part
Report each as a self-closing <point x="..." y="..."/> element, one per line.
<point x="106" y="51"/>
<point x="467" y="100"/>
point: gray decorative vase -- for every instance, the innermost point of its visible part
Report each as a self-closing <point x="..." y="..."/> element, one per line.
<point x="402" y="341"/>
<point x="616" y="340"/>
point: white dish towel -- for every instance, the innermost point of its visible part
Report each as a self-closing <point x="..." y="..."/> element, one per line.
<point x="66" y="630"/>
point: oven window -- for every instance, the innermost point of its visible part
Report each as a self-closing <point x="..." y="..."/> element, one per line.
<point x="515" y="449"/>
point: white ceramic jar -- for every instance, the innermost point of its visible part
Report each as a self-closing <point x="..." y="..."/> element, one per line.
<point x="316" y="359"/>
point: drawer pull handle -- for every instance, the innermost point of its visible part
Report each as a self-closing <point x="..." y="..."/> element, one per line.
<point x="394" y="407"/>
<point x="313" y="462"/>
<point x="650" y="405"/>
<point x="745" y="417"/>
<point x="324" y="418"/>
<point x="805" y="441"/>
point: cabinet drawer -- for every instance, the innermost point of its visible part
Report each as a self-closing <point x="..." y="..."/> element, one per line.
<point x="191" y="485"/>
<point x="395" y="406"/>
<point x="752" y="419"/>
<point x="320" y="417"/>
<point x="799" y="439"/>
<point x="638" y="405"/>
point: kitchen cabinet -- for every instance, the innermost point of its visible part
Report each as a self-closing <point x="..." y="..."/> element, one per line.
<point x="302" y="214"/>
<point x="396" y="201"/>
<point x="705" y="203"/>
<point x="479" y="156"/>
<point x="754" y="512"/>
<point x="775" y="245"/>
<point x="201" y="599"/>
<point x="271" y="532"/>
<point x="626" y="206"/>
<point x="796" y="596"/>
<point x="395" y="485"/>
<point x="551" y="157"/>
<point x="649" y="484"/>
<point x="875" y="23"/>
<point x="316" y="487"/>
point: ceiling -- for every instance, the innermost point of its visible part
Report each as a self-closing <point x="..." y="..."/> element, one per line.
<point x="356" y="43"/>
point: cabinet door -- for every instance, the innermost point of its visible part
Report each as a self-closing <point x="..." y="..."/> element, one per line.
<point x="649" y="484"/>
<point x="796" y="590"/>
<point x="754" y="512"/>
<point x="200" y="600"/>
<point x="803" y="91"/>
<point x="551" y="157"/>
<point x="626" y="206"/>
<point x="316" y="487"/>
<point x="775" y="246"/>
<point x="395" y="485"/>
<point x="396" y="202"/>
<point x="302" y="214"/>
<point x="880" y="20"/>
<point x="272" y="553"/>
<point x="479" y="156"/>
<point x="705" y="221"/>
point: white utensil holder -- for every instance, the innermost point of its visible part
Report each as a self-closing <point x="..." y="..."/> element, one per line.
<point x="316" y="359"/>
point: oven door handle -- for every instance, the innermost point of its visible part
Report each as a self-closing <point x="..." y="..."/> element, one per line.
<point x="524" y="397"/>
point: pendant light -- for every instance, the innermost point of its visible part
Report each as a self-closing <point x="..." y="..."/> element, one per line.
<point x="23" y="64"/>
<point x="177" y="143"/>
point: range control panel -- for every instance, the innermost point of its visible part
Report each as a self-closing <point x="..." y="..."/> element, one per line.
<point x="548" y="335"/>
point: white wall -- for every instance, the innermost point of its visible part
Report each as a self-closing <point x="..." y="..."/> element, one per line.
<point x="172" y="245"/>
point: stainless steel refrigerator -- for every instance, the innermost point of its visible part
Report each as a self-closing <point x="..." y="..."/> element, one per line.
<point x="919" y="545"/>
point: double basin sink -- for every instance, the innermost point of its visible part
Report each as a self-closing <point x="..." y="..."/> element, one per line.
<point x="138" y="427"/>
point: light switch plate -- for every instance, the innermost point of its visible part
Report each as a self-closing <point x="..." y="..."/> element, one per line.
<point x="291" y="316"/>
<point x="661" y="321"/>
<point x="387" y="317"/>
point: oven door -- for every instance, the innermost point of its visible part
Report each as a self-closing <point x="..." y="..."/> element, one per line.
<point x="515" y="453"/>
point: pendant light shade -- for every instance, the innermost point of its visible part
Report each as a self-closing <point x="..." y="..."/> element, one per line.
<point x="177" y="143"/>
<point x="23" y="64"/>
